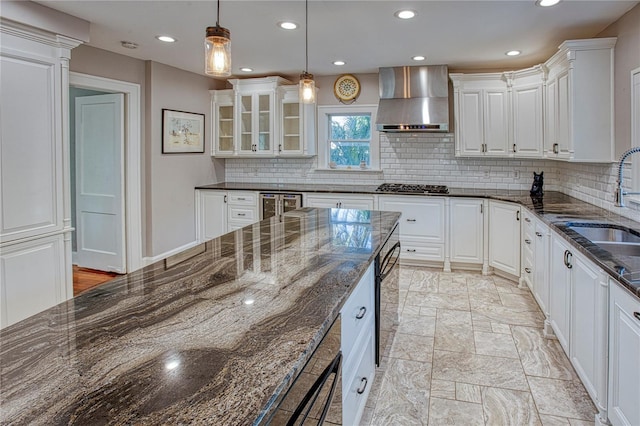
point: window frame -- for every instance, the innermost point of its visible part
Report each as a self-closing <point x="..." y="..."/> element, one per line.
<point x="324" y="112"/>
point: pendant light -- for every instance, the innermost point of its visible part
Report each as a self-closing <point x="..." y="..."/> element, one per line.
<point x="217" y="50"/>
<point x="307" y="85"/>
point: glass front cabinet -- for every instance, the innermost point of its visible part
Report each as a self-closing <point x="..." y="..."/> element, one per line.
<point x="262" y="117"/>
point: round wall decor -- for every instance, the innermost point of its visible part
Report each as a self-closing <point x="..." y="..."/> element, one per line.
<point x="346" y="88"/>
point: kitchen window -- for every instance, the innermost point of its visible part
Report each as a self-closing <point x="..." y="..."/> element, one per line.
<point x="348" y="139"/>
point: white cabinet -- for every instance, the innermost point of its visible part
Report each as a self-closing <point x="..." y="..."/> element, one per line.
<point x="297" y="124"/>
<point x="560" y="289"/>
<point x="466" y="236"/>
<point x="242" y="209"/>
<point x="341" y="201"/>
<point x="624" y="353"/>
<point x="540" y="279"/>
<point x="32" y="278"/>
<point x="422" y="226"/>
<point x="481" y="111"/>
<point x="211" y="213"/>
<point x="222" y="122"/>
<point x="358" y="348"/>
<point x="579" y="109"/>
<point x="588" y="324"/>
<point x="504" y="237"/>
<point x="254" y="133"/>
<point x="527" y="125"/>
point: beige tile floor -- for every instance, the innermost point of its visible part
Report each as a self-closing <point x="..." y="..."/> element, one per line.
<point x="469" y="350"/>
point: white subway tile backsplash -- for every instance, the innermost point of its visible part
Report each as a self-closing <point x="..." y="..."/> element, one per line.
<point x="430" y="159"/>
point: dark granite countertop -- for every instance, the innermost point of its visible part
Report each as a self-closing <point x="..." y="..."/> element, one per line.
<point x="554" y="208"/>
<point x="211" y="336"/>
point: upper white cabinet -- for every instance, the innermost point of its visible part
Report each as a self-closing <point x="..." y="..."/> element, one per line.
<point x="422" y="226"/>
<point x="504" y="237"/>
<point x="526" y="114"/>
<point x="297" y="124"/>
<point x="481" y="111"/>
<point x="223" y="122"/>
<point x="578" y="104"/>
<point x="624" y="353"/>
<point x="262" y="117"/>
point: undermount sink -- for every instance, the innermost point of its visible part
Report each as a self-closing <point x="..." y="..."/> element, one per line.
<point x="617" y="240"/>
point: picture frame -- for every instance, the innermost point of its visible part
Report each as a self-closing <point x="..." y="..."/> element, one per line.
<point x="182" y="132"/>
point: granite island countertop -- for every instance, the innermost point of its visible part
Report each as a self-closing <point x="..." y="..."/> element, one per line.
<point x="555" y="209"/>
<point x="213" y="335"/>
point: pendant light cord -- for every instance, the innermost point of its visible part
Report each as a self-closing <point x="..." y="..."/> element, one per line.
<point x="306" y="35"/>
<point x="218" y="15"/>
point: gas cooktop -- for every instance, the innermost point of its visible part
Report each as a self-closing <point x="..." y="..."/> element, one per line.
<point x="413" y="188"/>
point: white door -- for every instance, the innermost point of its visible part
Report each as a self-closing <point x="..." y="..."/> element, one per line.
<point x="100" y="183"/>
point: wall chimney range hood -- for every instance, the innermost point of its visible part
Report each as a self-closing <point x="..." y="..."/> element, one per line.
<point x="413" y="99"/>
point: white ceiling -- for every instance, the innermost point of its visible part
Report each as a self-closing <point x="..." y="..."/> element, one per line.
<point x="463" y="34"/>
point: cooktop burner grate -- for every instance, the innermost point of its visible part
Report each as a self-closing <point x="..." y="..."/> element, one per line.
<point x="414" y="188"/>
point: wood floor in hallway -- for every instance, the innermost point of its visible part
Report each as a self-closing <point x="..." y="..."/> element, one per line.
<point x="84" y="278"/>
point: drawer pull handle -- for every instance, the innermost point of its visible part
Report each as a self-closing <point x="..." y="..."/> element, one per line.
<point x="526" y="219"/>
<point x="538" y="234"/>
<point x="527" y="270"/>
<point x="363" y="311"/>
<point x="241" y="214"/>
<point x="241" y="199"/>
<point x="528" y="241"/>
<point x="637" y="315"/>
<point x="411" y="220"/>
<point x="363" y="386"/>
<point x="411" y="250"/>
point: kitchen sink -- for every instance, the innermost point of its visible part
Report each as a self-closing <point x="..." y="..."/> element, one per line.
<point x="615" y="239"/>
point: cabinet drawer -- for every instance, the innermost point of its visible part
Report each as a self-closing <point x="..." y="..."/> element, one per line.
<point x="420" y="249"/>
<point x="420" y="217"/>
<point x="357" y="383"/>
<point x="357" y="313"/>
<point x="242" y="213"/>
<point x="243" y="198"/>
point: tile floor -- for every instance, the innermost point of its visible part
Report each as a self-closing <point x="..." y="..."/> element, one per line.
<point x="469" y="350"/>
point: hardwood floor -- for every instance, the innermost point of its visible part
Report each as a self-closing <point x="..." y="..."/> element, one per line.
<point x="84" y="278"/>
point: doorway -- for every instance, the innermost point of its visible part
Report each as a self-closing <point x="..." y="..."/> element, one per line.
<point x="94" y="94"/>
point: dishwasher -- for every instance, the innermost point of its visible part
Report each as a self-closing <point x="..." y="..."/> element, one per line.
<point x="277" y="204"/>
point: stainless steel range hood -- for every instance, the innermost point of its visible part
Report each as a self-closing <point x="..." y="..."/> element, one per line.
<point x="414" y="99"/>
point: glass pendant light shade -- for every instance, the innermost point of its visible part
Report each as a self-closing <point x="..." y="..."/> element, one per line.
<point x="307" y="88"/>
<point x="217" y="45"/>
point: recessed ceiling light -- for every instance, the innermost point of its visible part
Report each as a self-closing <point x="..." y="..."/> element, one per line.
<point x="405" y="14"/>
<point x="129" y="44"/>
<point x="513" y="53"/>
<point x="547" y="3"/>
<point x="339" y="63"/>
<point x="246" y="69"/>
<point x="288" y="25"/>
<point x="166" y="38"/>
<point x="418" y="58"/>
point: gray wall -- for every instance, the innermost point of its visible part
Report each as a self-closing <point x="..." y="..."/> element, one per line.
<point x="168" y="217"/>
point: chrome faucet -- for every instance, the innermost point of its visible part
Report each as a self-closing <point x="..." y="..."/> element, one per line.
<point x="620" y="192"/>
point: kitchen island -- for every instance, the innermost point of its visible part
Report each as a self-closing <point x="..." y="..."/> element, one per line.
<point x="213" y="335"/>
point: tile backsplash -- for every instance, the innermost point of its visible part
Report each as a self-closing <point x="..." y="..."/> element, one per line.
<point x="429" y="158"/>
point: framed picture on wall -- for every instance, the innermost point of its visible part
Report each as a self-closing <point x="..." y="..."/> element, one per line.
<point x="182" y="132"/>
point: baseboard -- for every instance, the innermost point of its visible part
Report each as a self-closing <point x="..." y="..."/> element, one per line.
<point x="153" y="259"/>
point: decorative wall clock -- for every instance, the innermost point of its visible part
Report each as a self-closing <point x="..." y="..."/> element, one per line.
<point x="346" y="88"/>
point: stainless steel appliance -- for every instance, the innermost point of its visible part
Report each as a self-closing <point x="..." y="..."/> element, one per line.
<point x="315" y="395"/>
<point x="387" y="294"/>
<point x="277" y="204"/>
<point x="413" y="99"/>
<point x="413" y="188"/>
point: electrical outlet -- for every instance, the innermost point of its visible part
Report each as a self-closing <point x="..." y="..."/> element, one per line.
<point x="516" y="174"/>
<point x="487" y="173"/>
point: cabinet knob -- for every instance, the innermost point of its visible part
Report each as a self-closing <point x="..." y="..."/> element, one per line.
<point x="361" y="313"/>
<point x="363" y="385"/>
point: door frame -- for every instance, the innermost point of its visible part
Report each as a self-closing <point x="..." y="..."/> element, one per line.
<point x="132" y="159"/>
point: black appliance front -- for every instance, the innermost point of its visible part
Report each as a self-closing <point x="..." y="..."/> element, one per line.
<point x="387" y="294"/>
<point x="316" y="394"/>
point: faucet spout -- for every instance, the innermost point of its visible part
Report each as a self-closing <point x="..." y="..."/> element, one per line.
<point x="620" y="192"/>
